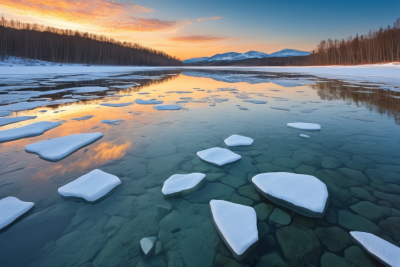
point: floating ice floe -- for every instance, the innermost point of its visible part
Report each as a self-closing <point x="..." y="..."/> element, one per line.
<point x="83" y="118"/>
<point x="148" y="244"/>
<point x="237" y="226"/>
<point x="304" y="136"/>
<point x="22" y="106"/>
<point x="182" y="185"/>
<point x="5" y="121"/>
<point x="5" y="113"/>
<point x="304" y="194"/>
<point x="218" y="156"/>
<point x="59" y="148"/>
<point x="111" y="121"/>
<point x="284" y="109"/>
<point x="88" y="89"/>
<point x="238" y="140"/>
<point x="144" y="93"/>
<point x="11" y="208"/>
<point x="305" y="126"/>
<point x="255" y="101"/>
<point x="30" y="130"/>
<point x="168" y="107"/>
<point x="365" y="92"/>
<point x="148" y="102"/>
<point x="116" y="105"/>
<point x="91" y="186"/>
<point x="382" y="250"/>
<point x="124" y="86"/>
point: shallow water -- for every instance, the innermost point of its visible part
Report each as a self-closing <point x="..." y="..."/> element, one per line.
<point x="356" y="154"/>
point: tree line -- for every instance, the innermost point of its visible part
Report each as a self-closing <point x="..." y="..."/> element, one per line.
<point x="377" y="46"/>
<point x="39" y="42"/>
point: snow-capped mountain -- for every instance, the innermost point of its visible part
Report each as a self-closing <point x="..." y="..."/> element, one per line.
<point x="250" y="54"/>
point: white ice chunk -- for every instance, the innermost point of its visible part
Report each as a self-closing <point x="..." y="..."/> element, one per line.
<point x="116" y="105"/>
<point x="304" y="191"/>
<point x="381" y="249"/>
<point x="147" y="243"/>
<point x="5" y="121"/>
<point x="88" y="89"/>
<point x="90" y="186"/>
<point x="33" y="129"/>
<point x="238" y="140"/>
<point x="305" y="126"/>
<point x="255" y="101"/>
<point x="304" y="136"/>
<point x="83" y="118"/>
<point x="11" y="208"/>
<point x="111" y="121"/>
<point x="5" y="113"/>
<point x="59" y="148"/>
<point x="144" y="93"/>
<point x="148" y="102"/>
<point x="180" y="182"/>
<point x="236" y="223"/>
<point x="218" y="156"/>
<point x="168" y="107"/>
<point x="22" y="106"/>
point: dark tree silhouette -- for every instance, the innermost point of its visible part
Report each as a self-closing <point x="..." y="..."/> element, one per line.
<point x="38" y="42"/>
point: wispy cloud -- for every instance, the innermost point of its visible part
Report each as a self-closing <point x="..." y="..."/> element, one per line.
<point x="198" y="38"/>
<point x="210" y="18"/>
<point x="101" y="13"/>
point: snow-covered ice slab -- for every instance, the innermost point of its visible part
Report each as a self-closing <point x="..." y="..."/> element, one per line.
<point x="5" y="113"/>
<point x="5" y="121"/>
<point x="305" y="126"/>
<point x="22" y="106"/>
<point x="182" y="185"/>
<point x="148" y="102"/>
<point x="237" y="226"/>
<point x="11" y="208"/>
<point x="83" y="118"/>
<point x="30" y="130"/>
<point x="304" y="194"/>
<point x="116" y="105"/>
<point x="91" y="186"/>
<point x="88" y="89"/>
<point x="304" y="136"/>
<point x="111" y="121"/>
<point x="238" y="140"/>
<point x="218" y="156"/>
<point x="148" y="244"/>
<point x="385" y="252"/>
<point x="59" y="148"/>
<point x="255" y="101"/>
<point x="168" y="107"/>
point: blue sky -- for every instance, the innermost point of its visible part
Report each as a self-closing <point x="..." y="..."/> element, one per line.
<point x="174" y="27"/>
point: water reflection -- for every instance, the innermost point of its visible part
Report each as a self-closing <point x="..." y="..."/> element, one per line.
<point x="356" y="150"/>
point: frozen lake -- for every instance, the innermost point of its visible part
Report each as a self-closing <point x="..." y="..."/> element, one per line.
<point x="356" y="154"/>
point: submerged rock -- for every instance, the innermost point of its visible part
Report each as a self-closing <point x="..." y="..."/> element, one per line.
<point x="334" y="238"/>
<point x="354" y="222"/>
<point x="301" y="193"/>
<point x="237" y="226"/>
<point x="374" y="212"/>
<point x="280" y="217"/>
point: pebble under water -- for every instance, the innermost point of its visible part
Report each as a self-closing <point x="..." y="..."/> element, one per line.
<point x="356" y="154"/>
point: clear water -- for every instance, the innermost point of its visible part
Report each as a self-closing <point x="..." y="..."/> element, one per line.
<point x="356" y="154"/>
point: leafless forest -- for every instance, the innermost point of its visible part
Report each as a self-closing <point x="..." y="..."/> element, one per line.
<point x="40" y="42"/>
<point x="377" y="46"/>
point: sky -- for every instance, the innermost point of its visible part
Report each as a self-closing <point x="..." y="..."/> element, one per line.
<point x="188" y="29"/>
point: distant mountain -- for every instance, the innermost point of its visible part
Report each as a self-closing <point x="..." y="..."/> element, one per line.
<point x="250" y="54"/>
